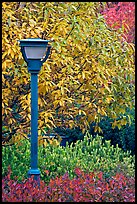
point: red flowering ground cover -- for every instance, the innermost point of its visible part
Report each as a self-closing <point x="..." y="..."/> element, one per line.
<point x="122" y="14"/>
<point x="85" y="187"/>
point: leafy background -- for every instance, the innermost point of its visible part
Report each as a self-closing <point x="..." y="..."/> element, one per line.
<point x="87" y="83"/>
<point x="89" y="74"/>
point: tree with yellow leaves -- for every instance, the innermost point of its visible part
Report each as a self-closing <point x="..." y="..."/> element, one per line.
<point x="88" y="75"/>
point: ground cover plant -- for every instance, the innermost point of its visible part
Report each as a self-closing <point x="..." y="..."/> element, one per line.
<point x="85" y="187"/>
<point x="91" y="154"/>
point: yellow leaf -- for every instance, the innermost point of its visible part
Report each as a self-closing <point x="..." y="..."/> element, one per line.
<point x="100" y="130"/>
<point x="108" y="99"/>
<point x="102" y="111"/>
<point x="25" y="107"/>
<point x="46" y="120"/>
<point x="79" y="112"/>
<point x="61" y="102"/>
<point x="29" y="116"/>
<point x="83" y="75"/>
<point x="50" y="121"/>
<point x="96" y="129"/>
<point x="107" y="88"/>
<point x="56" y="102"/>
<point x="79" y="76"/>
<point x="122" y="111"/>
<point x="123" y="122"/>
<point x="62" y="90"/>
<point x="114" y="124"/>
<point x="12" y="54"/>
<point x="79" y="47"/>
<point x="4" y="65"/>
<point x="4" y="54"/>
<point x="98" y="109"/>
<point x="83" y="112"/>
<point x="45" y="143"/>
<point x="25" y="81"/>
<point x="119" y="126"/>
<point x="83" y="130"/>
<point x="10" y="121"/>
<point x="4" y="5"/>
<point x="39" y="101"/>
<point x="107" y="72"/>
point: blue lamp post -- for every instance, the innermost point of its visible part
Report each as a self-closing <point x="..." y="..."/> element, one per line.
<point x="35" y="52"/>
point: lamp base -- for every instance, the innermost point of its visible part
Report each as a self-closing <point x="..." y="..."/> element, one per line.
<point x="35" y="173"/>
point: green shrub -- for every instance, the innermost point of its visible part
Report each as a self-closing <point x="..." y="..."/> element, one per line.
<point x="17" y="157"/>
<point x="125" y="137"/>
<point x="91" y="154"/>
<point x="72" y="135"/>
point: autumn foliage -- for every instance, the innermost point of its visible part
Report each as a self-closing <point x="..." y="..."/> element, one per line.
<point x="85" y="187"/>
<point x="88" y="75"/>
<point x="122" y="15"/>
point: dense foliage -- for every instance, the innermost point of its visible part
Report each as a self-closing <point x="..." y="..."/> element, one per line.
<point x="85" y="187"/>
<point x="88" y="75"/>
<point x="91" y="154"/>
<point x="124" y="137"/>
<point x="88" y="82"/>
<point x="122" y="15"/>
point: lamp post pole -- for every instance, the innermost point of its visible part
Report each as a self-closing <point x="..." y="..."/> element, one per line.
<point x="34" y="126"/>
<point x="33" y="51"/>
<point x="34" y="67"/>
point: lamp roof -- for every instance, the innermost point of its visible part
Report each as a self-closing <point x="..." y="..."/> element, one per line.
<point x="33" y="42"/>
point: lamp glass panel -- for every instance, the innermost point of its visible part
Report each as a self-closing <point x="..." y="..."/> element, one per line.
<point x="35" y="52"/>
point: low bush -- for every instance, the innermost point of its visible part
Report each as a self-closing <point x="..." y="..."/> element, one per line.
<point x="91" y="154"/>
<point x="124" y="137"/>
<point x="72" y="135"/>
<point x="85" y="187"/>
